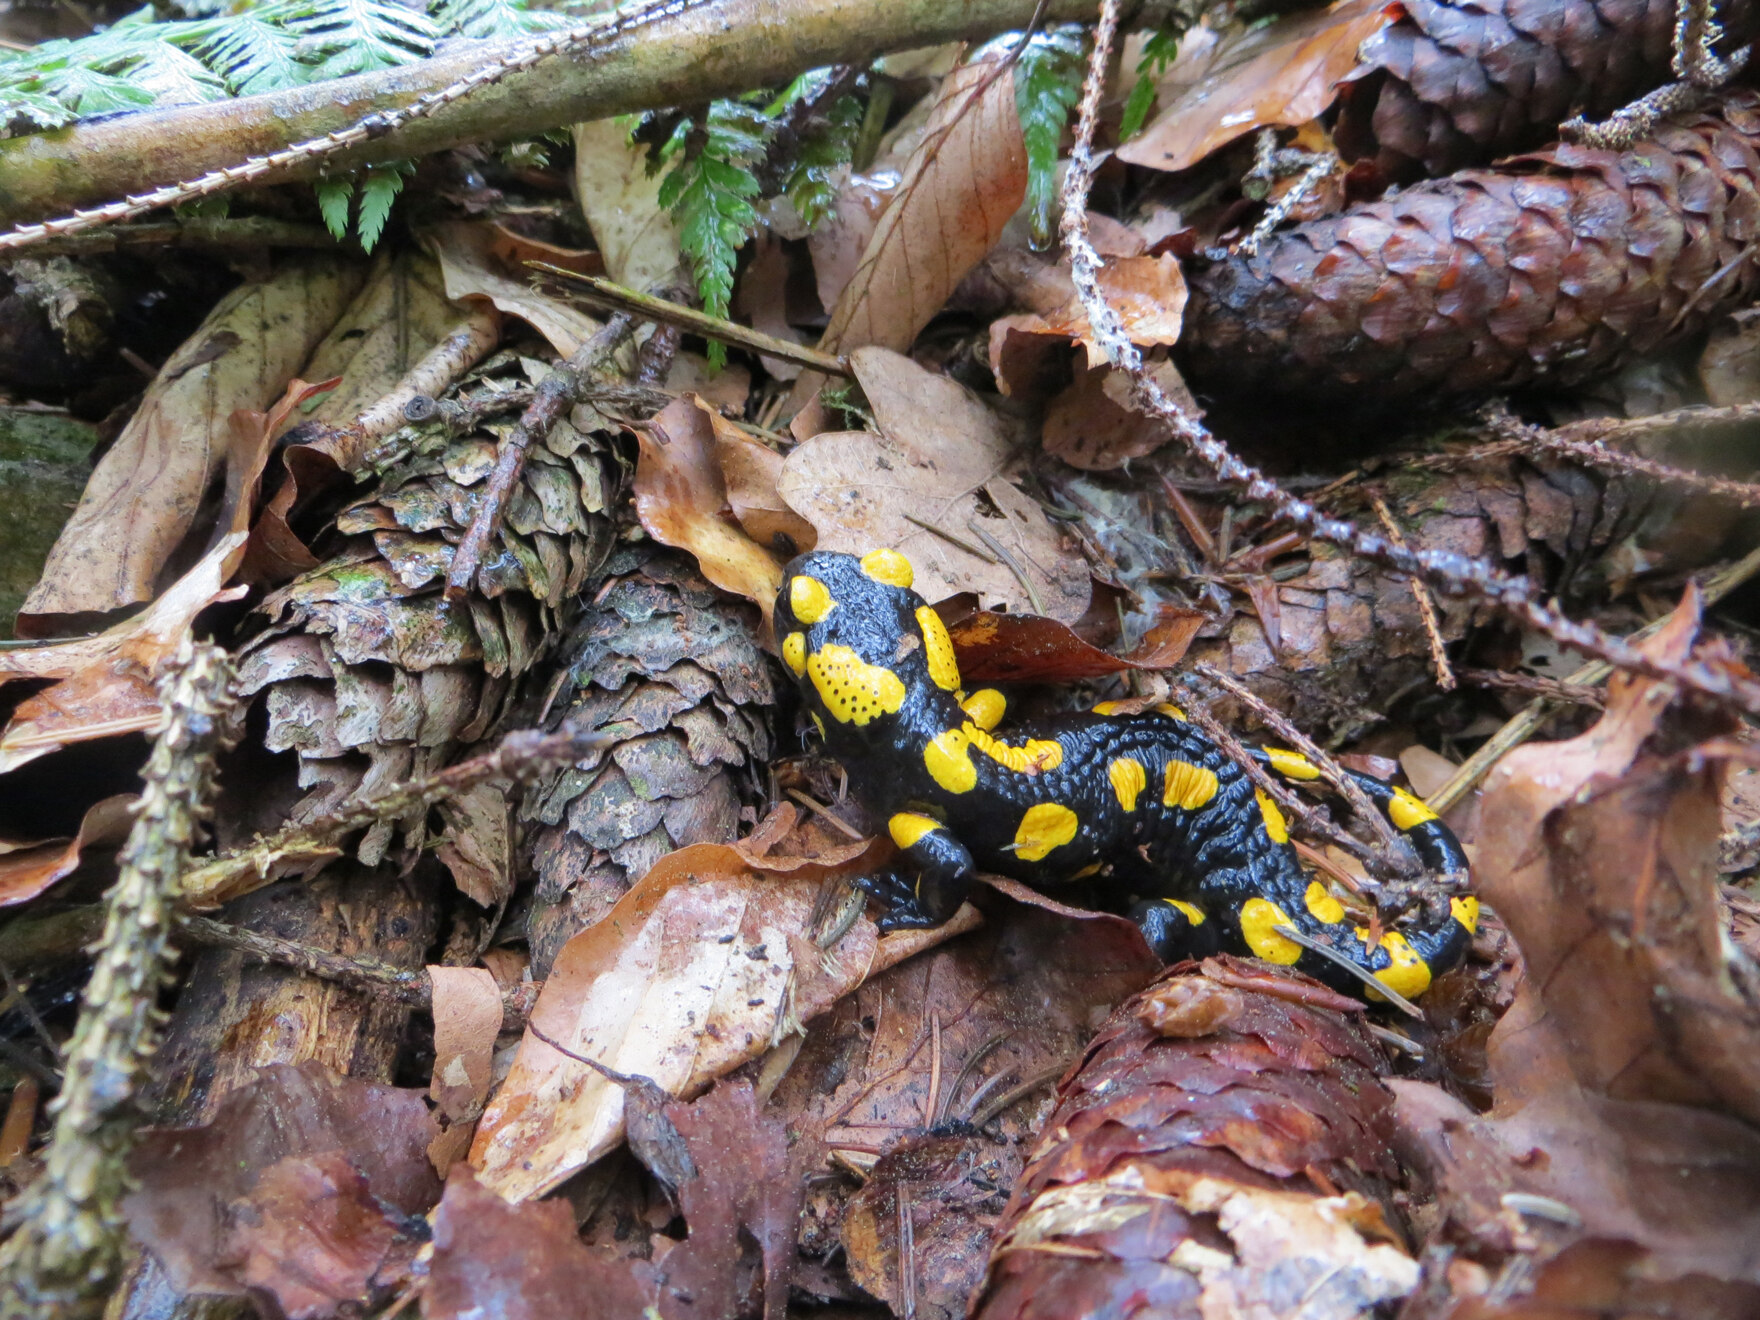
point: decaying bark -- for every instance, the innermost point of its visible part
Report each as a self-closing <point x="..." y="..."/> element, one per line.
<point x="1552" y="268"/>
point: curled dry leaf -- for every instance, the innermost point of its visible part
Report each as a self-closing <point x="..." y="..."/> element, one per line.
<point x="467" y="1019"/>
<point x="703" y="965"/>
<point x="143" y="497"/>
<point x="303" y="1188"/>
<point x="965" y="179"/>
<point x="485" y="261"/>
<point x="1148" y="293"/>
<point x="682" y="499"/>
<point x="938" y="461"/>
<point x="1282" y="74"/>
<point x="27" y="870"/>
<point x="1625" y="1072"/>
<point x="106" y="682"/>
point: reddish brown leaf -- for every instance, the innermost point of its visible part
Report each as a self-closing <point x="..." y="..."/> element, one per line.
<point x="1027" y="648"/>
<point x="27" y="870"/>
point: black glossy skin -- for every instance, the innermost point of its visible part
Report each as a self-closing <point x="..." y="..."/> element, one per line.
<point x="1216" y="858"/>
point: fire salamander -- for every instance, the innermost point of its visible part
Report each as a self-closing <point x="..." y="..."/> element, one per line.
<point x="1144" y="801"/>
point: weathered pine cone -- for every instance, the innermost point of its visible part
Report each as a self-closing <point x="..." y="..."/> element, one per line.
<point x="1452" y="85"/>
<point x="675" y="670"/>
<point x="368" y="674"/>
<point x="1552" y="268"/>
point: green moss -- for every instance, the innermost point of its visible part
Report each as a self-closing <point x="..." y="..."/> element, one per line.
<point x="43" y="468"/>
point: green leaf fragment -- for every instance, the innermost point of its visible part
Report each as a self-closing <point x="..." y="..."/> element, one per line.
<point x="1047" y="84"/>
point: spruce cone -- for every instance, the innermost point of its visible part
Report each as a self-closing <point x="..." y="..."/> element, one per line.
<point x="369" y="675"/>
<point x="1552" y="268"/>
<point x="677" y="665"/>
<point x="1451" y="85"/>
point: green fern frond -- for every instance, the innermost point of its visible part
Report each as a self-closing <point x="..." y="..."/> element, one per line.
<point x="823" y="149"/>
<point x="1158" y="53"/>
<point x="709" y="191"/>
<point x="1047" y="84"/>
<point x="346" y="37"/>
<point x="334" y="196"/>
<point x="378" y="190"/>
<point x="253" y="51"/>
<point x="492" y="20"/>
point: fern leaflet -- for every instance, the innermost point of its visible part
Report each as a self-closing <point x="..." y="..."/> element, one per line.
<point x="1047" y="84"/>
<point x="1158" y="53"/>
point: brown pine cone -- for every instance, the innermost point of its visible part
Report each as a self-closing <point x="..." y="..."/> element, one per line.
<point x="1451" y="85"/>
<point x="1554" y="267"/>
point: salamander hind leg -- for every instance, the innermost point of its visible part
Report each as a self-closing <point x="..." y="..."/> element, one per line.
<point x="1176" y="929"/>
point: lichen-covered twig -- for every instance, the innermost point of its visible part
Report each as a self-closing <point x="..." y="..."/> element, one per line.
<point x="1697" y="67"/>
<point x="520" y="756"/>
<point x="1451" y="573"/>
<point x="68" y="1241"/>
<point x="566" y="384"/>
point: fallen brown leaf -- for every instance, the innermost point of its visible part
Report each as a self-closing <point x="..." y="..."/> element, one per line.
<point x="682" y="498"/>
<point x="621" y="203"/>
<point x="1027" y="648"/>
<point x="143" y="497"/>
<point x="467" y="1020"/>
<point x="939" y="460"/>
<point x="27" y="870"/>
<point x="1284" y="73"/>
<point x="484" y="261"/>
<point x="302" y="1188"/>
<point x="1148" y="293"/>
<point x="966" y="178"/>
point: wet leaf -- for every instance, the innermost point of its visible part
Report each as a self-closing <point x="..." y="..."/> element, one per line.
<point x="703" y="965"/>
<point x="939" y="460"/>
<point x="481" y="260"/>
<point x="306" y="1186"/>
<point x="144" y="495"/>
<point x="966" y="178"/>
<point x="620" y="201"/>
<point x="682" y="499"/>
<point x="1027" y="648"/>
<point x="1285" y="73"/>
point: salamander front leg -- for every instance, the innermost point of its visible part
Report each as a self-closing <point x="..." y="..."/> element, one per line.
<point x="943" y="875"/>
<point x="1175" y="929"/>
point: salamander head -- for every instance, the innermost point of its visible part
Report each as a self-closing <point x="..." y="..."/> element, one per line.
<point x="858" y="640"/>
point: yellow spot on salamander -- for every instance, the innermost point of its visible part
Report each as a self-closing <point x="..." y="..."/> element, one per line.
<point x="794" y="653"/>
<point x="1275" y="825"/>
<point x="1260" y="918"/>
<point x="1406" y="973"/>
<point x="1407" y="810"/>
<point x="1128" y="779"/>
<point x="1092" y="868"/>
<point x="986" y="707"/>
<point x="1322" y="905"/>
<point x="1465" y="911"/>
<point x="1170" y="710"/>
<point x="853" y="690"/>
<point x="1187" y="785"/>
<point x="1191" y="911"/>
<point x="1291" y="765"/>
<point x="906" y="827"/>
<point x="938" y="649"/>
<point x="888" y="566"/>
<point x="1045" y="826"/>
<point x="1029" y="758"/>
<point x="1107" y="707"/>
<point x="809" y="599"/>
<point x="949" y="760"/>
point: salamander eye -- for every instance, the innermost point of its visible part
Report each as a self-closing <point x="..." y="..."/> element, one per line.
<point x="809" y="599"/>
<point x="890" y="567"/>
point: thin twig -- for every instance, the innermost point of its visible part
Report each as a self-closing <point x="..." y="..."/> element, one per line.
<point x="1552" y="689"/>
<point x="1453" y="573"/>
<point x="254" y="231"/>
<point x="646" y="307"/>
<point x="837" y="822"/>
<point x="68" y="1245"/>
<point x="976" y="551"/>
<point x="1363" y="974"/>
<point x="521" y="755"/>
<point x="1001" y="552"/>
<point x="1526" y="722"/>
<point x="557" y="393"/>
<point x="1391" y="844"/>
<point x="1420" y="594"/>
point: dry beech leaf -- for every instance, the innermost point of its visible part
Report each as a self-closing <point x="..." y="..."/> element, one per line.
<point x="1095" y="424"/>
<point x="682" y="500"/>
<point x="467" y="1019"/>
<point x="144" y="494"/>
<point x="482" y="260"/>
<point x="752" y="471"/>
<point x="939" y="459"/>
<point x="27" y="871"/>
<point x="1028" y="648"/>
<point x="1148" y="293"/>
<point x="1285" y="73"/>
<point x="106" y="685"/>
<point x="837" y="245"/>
<point x="761" y="297"/>
<point x="701" y="967"/>
<point x="621" y="203"/>
<point x="965" y="179"/>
